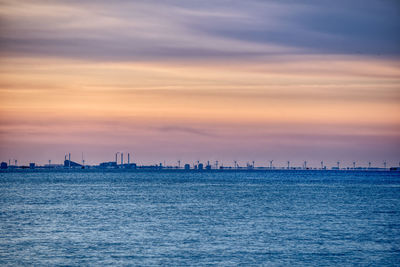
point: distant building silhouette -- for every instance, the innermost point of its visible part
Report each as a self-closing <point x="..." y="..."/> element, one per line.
<point x="110" y="164"/>
<point x="129" y="165"/>
<point x="72" y="164"/>
<point x="3" y="165"/>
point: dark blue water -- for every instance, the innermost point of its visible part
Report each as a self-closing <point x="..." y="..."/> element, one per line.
<point x="181" y="219"/>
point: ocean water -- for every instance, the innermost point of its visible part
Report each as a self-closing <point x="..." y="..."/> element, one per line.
<point x="272" y="218"/>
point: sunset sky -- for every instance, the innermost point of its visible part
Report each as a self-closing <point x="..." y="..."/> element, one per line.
<point x="200" y="80"/>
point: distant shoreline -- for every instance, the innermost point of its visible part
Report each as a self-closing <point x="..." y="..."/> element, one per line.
<point x="110" y="170"/>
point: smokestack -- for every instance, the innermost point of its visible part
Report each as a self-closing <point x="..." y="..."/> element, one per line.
<point x="69" y="160"/>
<point x="128" y="159"/>
<point x="122" y="159"/>
<point x="116" y="158"/>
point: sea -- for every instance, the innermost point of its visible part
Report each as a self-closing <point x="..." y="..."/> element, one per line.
<point x="214" y="218"/>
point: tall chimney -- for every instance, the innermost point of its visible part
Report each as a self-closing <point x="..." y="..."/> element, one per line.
<point x="128" y="158"/>
<point x="122" y="159"/>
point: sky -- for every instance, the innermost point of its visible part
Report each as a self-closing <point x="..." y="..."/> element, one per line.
<point x="200" y="80"/>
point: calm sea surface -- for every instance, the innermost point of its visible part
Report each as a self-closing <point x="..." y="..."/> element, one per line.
<point x="184" y="218"/>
